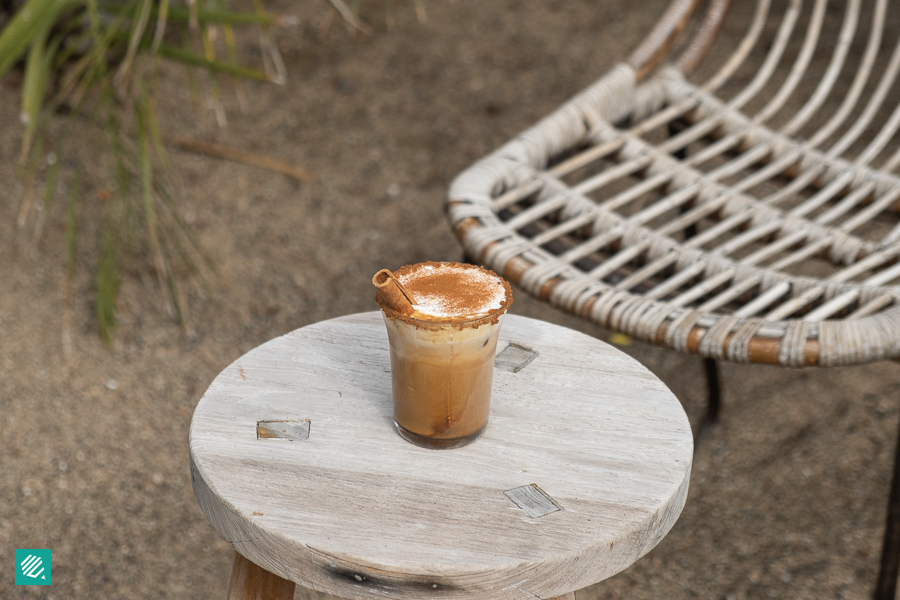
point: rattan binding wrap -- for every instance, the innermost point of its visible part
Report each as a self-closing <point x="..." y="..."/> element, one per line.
<point x="666" y="210"/>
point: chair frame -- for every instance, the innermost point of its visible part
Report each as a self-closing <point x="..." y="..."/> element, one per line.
<point x="707" y="265"/>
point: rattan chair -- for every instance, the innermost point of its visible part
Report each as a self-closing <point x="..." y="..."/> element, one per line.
<point x="747" y="215"/>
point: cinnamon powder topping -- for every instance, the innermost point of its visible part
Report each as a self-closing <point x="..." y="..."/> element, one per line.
<point x="452" y="292"/>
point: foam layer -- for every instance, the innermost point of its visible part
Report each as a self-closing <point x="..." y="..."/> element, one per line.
<point x="452" y="291"/>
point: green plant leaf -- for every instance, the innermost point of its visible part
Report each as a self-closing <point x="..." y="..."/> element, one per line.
<point x="204" y="17"/>
<point x="107" y="278"/>
<point x="137" y="32"/>
<point x="71" y="241"/>
<point x="49" y="193"/>
<point x="146" y="175"/>
<point x="32" y="18"/>
<point x="192" y="59"/>
<point x="80" y="45"/>
<point x="161" y="19"/>
<point x="37" y="67"/>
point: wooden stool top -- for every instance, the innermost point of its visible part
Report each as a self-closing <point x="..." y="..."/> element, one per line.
<point x="583" y="468"/>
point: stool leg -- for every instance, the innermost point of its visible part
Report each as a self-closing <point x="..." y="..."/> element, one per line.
<point x="886" y="588"/>
<point x="252" y="582"/>
<point x="569" y="596"/>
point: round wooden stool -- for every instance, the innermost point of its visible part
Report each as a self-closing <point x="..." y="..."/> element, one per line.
<point x="583" y="468"/>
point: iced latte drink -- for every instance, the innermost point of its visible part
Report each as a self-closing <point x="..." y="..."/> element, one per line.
<point x="443" y="321"/>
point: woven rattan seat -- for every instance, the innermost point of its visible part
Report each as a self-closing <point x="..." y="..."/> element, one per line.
<point x="734" y="196"/>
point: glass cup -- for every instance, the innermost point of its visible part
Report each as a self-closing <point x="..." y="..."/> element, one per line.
<point x="441" y="380"/>
<point x="442" y="368"/>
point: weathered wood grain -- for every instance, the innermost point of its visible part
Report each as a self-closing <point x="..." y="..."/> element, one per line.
<point x="356" y="511"/>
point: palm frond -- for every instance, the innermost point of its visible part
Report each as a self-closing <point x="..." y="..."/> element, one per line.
<point x="98" y="57"/>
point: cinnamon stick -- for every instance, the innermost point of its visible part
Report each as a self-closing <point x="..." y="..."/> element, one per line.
<point x="392" y="293"/>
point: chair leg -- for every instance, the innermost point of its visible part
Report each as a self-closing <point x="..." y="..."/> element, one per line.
<point x="251" y="582"/>
<point x="714" y="402"/>
<point x="886" y="587"/>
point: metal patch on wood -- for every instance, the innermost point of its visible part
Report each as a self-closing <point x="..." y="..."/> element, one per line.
<point x="515" y="357"/>
<point x="287" y="430"/>
<point x="533" y="500"/>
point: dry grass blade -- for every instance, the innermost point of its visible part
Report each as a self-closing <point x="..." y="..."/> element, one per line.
<point x="349" y="16"/>
<point x="28" y="177"/>
<point x="194" y="19"/>
<point x="146" y="176"/>
<point x="71" y="251"/>
<point x="272" y="61"/>
<point x="187" y="251"/>
<point x="231" y="46"/>
<point x="137" y="33"/>
<point x="179" y="304"/>
<point x="49" y="191"/>
<point x="242" y="156"/>
<point x="161" y="20"/>
<point x="207" y="37"/>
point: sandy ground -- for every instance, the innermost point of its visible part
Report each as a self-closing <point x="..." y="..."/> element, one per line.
<point x="788" y="491"/>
